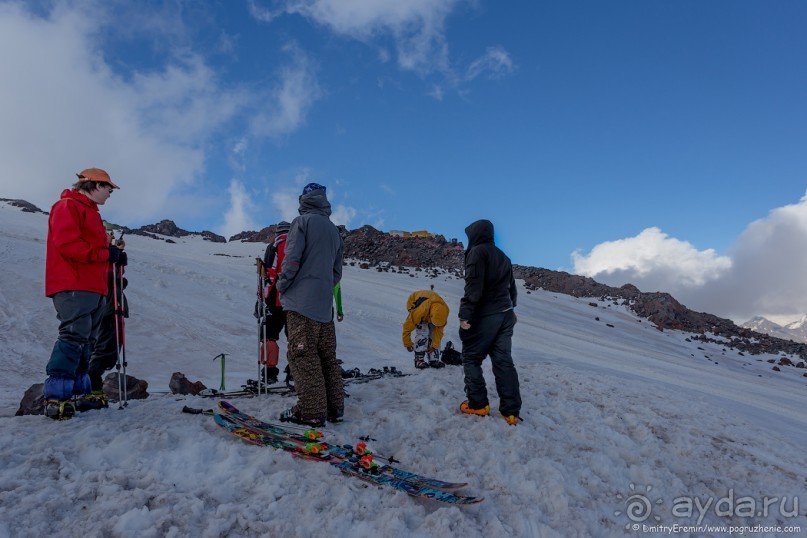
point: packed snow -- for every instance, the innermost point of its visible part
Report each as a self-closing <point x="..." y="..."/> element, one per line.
<point x="623" y="424"/>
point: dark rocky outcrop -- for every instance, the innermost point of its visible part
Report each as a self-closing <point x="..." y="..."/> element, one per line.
<point x="266" y="235"/>
<point x="27" y="207"/>
<point x="168" y="228"/>
<point x="180" y="384"/>
<point x="375" y="247"/>
<point x="214" y="238"/>
<point x="33" y="402"/>
<point x="136" y="389"/>
<point x="164" y="227"/>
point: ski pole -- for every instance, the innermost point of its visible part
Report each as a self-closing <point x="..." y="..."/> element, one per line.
<point x="117" y="292"/>
<point x="118" y="339"/>
<point x="223" y="357"/>
<point x="120" y="329"/>
<point x="264" y="347"/>
<point x="123" y="335"/>
<point x="261" y="320"/>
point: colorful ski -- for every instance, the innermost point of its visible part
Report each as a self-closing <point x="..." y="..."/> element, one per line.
<point x="350" y="468"/>
<point x="410" y="488"/>
<point x="344" y="453"/>
<point x="251" y="436"/>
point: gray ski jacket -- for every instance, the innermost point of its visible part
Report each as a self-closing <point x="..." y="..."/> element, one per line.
<point x="313" y="262"/>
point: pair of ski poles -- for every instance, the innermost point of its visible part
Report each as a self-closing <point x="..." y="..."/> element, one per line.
<point x="262" y="351"/>
<point x="120" y="341"/>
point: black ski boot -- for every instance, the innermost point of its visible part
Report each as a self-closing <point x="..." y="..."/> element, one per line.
<point x="269" y="374"/>
<point x="89" y="402"/>
<point x="295" y="416"/>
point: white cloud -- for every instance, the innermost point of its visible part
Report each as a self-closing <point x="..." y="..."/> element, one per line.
<point x="65" y="108"/>
<point x="496" y="63"/>
<point x="287" y="203"/>
<point x="237" y="217"/>
<point x="763" y="273"/>
<point x="436" y="92"/>
<point x="291" y="98"/>
<point x="653" y="260"/>
<point x="770" y="261"/>
<point x="417" y="26"/>
<point x="342" y="214"/>
<point x="287" y="200"/>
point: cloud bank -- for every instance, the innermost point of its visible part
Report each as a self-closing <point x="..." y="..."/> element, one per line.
<point x="65" y="107"/>
<point x="762" y="274"/>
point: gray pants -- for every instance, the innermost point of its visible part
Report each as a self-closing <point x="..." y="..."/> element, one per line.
<point x="79" y="314"/>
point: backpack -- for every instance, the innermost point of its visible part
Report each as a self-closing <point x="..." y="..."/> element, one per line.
<point x="450" y="355"/>
<point x="273" y="261"/>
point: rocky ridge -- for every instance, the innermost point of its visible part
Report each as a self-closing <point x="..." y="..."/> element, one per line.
<point x="663" y="310"/>
<point x="168" y="228"/>
<point x="26" y="207"/>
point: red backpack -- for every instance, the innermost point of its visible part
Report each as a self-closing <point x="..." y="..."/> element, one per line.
<point x="273" y="262"/>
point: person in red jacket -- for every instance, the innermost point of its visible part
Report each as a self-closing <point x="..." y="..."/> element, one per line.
<point x="275" y="320"/>
<point x="76" y="266"/>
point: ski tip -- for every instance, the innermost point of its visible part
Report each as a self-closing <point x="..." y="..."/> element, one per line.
<point x="227" y="406"/>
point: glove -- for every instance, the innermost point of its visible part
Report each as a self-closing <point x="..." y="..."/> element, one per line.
<point x="114" y="254"/>
<point x="340" y="317"/>
<point x="410" y="349"/>
<point x="123" y="259"/>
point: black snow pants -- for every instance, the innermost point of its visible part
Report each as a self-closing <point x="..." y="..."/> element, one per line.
<point x="491" y="335"/>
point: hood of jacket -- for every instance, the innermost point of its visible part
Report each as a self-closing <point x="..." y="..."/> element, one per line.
<point x="78" y="197"/>
<point x="315" y="202"/>
<point x="479" y="232"/>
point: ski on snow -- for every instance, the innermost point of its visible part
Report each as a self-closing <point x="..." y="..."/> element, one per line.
<point x="344" y="458"/>
<point x="342" y="452"/>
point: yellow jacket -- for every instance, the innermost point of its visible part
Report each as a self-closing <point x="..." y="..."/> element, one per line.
<point x="425" y="306"/>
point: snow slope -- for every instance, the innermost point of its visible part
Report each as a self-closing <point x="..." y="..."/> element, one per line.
<point x="611" y="408"/>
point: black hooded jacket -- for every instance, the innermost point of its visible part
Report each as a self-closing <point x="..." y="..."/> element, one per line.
<point x="489" y="284"/>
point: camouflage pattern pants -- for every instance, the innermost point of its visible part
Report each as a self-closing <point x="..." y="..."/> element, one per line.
<point x="312" y="359"/>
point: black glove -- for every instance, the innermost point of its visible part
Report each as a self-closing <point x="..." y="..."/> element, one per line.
<point x="123" y="259"/>
<point x="114" y="254"/>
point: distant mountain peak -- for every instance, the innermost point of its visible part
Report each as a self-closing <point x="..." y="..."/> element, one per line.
<point x="760" y="321"/>
<point x="798" y="324"/>
<point x="795" y="331"/>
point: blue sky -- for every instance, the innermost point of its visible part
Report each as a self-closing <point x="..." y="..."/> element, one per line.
<point x="659" y="143"/>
